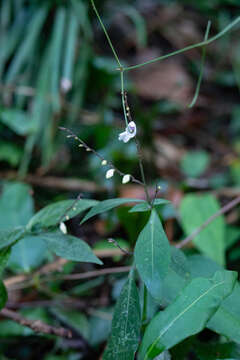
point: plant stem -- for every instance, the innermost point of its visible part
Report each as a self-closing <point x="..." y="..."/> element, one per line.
<point x="106" y="34"/>
<point x="140" y="160"/>
<point x="201" y="69"/>
<point x="122" y="95"/>
<point x="190" y="47"/>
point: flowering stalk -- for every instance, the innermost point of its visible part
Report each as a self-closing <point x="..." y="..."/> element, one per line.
<point x="103" y="161"/>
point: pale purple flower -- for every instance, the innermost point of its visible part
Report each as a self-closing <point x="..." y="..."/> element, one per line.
<point x="129" y="132"/>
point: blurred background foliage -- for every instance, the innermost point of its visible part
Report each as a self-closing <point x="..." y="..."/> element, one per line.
<point x="56" y="69"/>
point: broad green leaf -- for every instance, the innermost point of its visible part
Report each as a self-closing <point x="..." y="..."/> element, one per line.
<point x="126" y="324"/>
<point x="3" y="295"/>
<point x="202" y="266"/>
<point x="107" y="205"/>
<point x="16" y="205"/>
<point x="9" y="237"/>
<point x="17" y="120"/>
<point x="152" y="255"/>
<point x="226" y="321"/>
<point x="194" y="211"/>
<point x="52" y="214"/>
<point x="10" y="153"/>
<point x="27" y="254"/>
<point x="177" y="278"/>
<point x="146" y="207"/>
<point x="70" y="247"/>
<point x="194" y="163"/>
<point x="188" y="314"/>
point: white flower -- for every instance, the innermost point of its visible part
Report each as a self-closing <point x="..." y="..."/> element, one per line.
<point x="104" y="162"/>
<point x="126" y="178"/>
<point x="129" y="132"/>
<point x="110" y="173"/>
<point x="63" y="228"/>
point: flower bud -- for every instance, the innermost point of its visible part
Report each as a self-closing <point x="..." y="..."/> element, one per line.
<point x="110" y="173"/>
<point x="126" y="178"/>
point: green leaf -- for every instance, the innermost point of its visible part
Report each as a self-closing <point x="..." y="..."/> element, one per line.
<point x="126" y="324"/>
<point x="188" y="315"/>
<point x="194" y="163"/>
<point x="52" y="214"/>
<point x="16" y="205"/>
<point x="27" y="254"/>
<point x="194" y="211"/>
<point x="3" y="295"/>
<point x="70" y="247"/>
<point x="17" y="120"/>
<point x="10" y="152"/>
<point x="152" y="255"/>
<point x="177" y="278"/>
<point x="146" y="207"/>
<point x="9" y="237"/>
<point x="226" y="321"/>
<point x="107" y="205"/>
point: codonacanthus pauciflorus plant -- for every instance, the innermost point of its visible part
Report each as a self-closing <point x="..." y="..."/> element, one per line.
<point x="178" y="298"/>
<point x="189" y="302"/>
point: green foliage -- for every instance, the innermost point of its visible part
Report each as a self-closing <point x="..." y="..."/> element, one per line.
<point x="126" y="324"/>
<point x="152" y="255"/>
<point x="52" y="214"/>
<point x="194" y="210"/>
<point x="146" y="207"/>
<point x="70" y="247"/>
<point x="107" y="205"/>
<point x="199" y="300"/>
<point x="195" y="163"/>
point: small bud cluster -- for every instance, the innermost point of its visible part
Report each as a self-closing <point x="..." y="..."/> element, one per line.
<point x="125" y="179"/>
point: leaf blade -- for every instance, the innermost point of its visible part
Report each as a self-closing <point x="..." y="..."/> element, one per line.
<point x="70" y="247"/>
<point x="107" y="205"/>
<point x="126" y="324"/>
<point x="152" y="255"/>
<point x="198" y="301"/>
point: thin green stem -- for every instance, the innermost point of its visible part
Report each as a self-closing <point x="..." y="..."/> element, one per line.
<point x="106" y="34"/>
<point x="190" y="47"/>
<point x="202" y="67"/>
<point x="140" y="160"/>
<point x="122" y="95"/>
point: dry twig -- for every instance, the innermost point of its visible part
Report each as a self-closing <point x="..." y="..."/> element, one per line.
<point x="36" y="325"/>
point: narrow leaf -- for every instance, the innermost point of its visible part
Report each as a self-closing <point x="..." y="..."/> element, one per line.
<point x="70" y="247"/>
<point x="226" y="321"/>
<point x="194" y="211"/>
<point x="107" y="205"/>
<point x="188" y="315"/>
<point x="152" y="255"/>
<point x="146" y="207"/>
<point x="52" y="214"/>
<point x="126" y="324"/>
